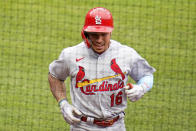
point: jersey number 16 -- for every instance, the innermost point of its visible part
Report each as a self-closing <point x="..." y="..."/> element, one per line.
<point x="116" y="99"/>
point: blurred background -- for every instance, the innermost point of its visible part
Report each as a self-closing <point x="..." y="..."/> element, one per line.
<point x="34" y="32"/>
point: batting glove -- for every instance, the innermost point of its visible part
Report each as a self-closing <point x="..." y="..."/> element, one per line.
<point x="70" y="113"/>
<point x="134" y="92"/>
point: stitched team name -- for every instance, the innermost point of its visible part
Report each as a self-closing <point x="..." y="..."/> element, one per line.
<point x="105" y="86"/>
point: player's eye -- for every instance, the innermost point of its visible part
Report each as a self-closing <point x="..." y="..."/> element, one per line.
<point x="105" y="34"/>
<point x="93" y="35"/>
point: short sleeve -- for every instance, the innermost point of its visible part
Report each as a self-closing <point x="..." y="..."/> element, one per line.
<point x="140" y="67"/>
<point x="59" y="68"/>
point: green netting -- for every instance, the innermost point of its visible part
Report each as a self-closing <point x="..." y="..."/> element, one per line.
<point x="33" y="33"/>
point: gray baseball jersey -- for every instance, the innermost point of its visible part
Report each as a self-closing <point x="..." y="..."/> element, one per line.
<point x="97" y="81"/>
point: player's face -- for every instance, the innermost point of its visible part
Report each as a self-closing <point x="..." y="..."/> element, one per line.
<point x="100" y="41"/>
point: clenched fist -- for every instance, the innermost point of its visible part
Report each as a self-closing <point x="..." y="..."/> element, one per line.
<point x="70" y="113"/>
<point x="134" y="92"/>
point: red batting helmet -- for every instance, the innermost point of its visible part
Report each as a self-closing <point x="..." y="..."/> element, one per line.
<point x="97" y="20"/>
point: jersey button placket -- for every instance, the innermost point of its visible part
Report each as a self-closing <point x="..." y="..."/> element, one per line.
<point x="100" y="66"/>
<point x="98" y="76"/>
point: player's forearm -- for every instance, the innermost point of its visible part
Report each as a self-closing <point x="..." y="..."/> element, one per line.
<point x="147" y="81"/>
<point x="57" y="88"/>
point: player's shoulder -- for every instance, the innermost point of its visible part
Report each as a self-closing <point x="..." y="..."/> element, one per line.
<point x="122" y="47"/>
<point x="72" y="49"/>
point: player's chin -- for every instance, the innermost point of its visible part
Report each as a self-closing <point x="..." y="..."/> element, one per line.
<point x="99" y="49"/>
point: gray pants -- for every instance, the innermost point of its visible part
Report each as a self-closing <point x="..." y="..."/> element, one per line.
<point x="83" y="126"/>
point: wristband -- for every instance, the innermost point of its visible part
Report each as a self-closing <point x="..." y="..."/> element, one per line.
<point x="60" y="100"/>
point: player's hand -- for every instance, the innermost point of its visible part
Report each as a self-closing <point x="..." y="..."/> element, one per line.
<point x="134" y="92"/>
<point x="70" y="113"/>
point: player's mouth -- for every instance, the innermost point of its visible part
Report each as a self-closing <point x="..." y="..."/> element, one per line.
<point x="99" y="46"/>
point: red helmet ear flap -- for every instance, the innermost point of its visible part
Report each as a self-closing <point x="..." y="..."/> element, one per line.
<point x="84" y="37"/>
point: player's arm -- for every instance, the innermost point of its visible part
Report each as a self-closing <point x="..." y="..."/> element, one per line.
<point x="136" y="91"/>
<point x="142" y="73"/>
<point x="146" y="82"/>
<point x="57" y="88"/>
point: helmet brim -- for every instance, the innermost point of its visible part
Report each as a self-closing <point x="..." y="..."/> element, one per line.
<point x="98" y="29"/>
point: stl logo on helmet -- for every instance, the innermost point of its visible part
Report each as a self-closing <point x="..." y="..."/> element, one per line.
<point x="97" y="20"/>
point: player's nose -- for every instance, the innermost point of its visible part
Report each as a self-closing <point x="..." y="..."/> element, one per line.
<point x="99" y="39"/>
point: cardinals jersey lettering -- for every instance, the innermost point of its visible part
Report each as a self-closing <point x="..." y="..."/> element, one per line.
<point x="97" y="81"/>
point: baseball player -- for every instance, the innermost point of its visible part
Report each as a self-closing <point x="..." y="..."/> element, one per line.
<point x="98" y="68"/>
